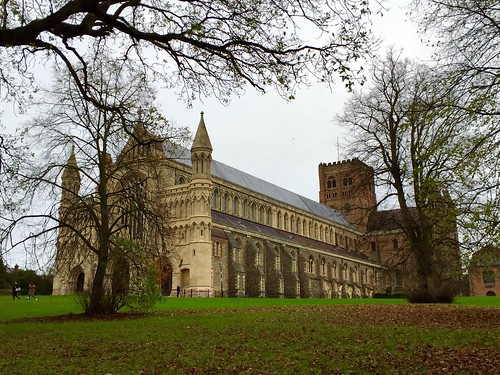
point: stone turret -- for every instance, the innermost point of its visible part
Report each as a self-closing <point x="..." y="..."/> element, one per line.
<point x="66" y="240"/>
<point x="70" y="182"/>
<point x="198" y="253"/>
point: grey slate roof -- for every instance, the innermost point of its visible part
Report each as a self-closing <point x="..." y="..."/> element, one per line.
<point x="235" y="176"/>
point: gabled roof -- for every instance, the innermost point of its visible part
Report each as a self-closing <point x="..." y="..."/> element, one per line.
<point x="387" y="220"/>
<point x="488" y="256"/>
<point x="245" y="180"/>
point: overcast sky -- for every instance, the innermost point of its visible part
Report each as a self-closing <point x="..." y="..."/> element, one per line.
<point x="281" y="142"/>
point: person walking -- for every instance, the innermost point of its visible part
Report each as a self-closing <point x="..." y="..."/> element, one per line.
<point x="31" y="292"/>
<point x="15" y="290"/>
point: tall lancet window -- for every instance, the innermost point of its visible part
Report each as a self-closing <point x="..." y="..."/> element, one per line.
<point x="133" y="209"/>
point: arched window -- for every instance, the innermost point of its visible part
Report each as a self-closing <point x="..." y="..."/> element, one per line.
<point x="217" y="249"/>
<point x="285" y="219"/>
<point x="235" y="205"/>
<point x="278" y="219"/>
<point x="258" y="256"/>
<point x="344" y="182"/>
<point x="225" y="198"/>
<point x="252" y="211"/>
<point x="261" y="215"/>
<point x="489" y="278"/>
<point x="334" y="269"/>
<point x="349" y="181"/>
<point x="334" y="183"/>
<point x="395" y="245"/>
<point x="329" y="184"/>
<point x="323" y="267"/>
<point x="310" y="265"/>
<point x="277" y="259"/>
<point x="268" y="216"/>
<point x="374" y="246"/>
<point x="244" y="209"/>
<point x="133" y="212"/>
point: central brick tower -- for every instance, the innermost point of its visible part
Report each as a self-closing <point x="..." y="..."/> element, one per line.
<point x="348" y="186"/>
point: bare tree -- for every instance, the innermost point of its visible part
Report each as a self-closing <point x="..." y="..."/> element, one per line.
<point x="199" y="47"/>
<point x="466" y="34"/>
<point x="405" y="126"/>
<point x="110" y="181"/>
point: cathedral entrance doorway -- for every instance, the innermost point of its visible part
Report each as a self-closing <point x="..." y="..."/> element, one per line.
<point x="80" y="282"/>
<point x="165" y="281"/>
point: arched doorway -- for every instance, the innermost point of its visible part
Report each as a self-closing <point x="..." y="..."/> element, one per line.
<point x="165" y="281"/>
<point x="80" y="282"/>
<point x="491" y="293"/>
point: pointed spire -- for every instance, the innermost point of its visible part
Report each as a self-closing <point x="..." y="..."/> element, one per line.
<point x="71" y="180"/>
<point x="71" y="168"/>
<point x="201" y="139"/>
<point x="72" y="157"/>
<point x="201" y="152"/>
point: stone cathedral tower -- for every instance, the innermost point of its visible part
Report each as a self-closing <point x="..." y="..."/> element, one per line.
<point x="67" y="243"/>
<point x="349" y="187"/>
<point x="198" y="254"/>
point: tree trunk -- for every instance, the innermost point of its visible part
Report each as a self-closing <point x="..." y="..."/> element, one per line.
<point x="98" y="302"/>
<point x="97" y="295"/>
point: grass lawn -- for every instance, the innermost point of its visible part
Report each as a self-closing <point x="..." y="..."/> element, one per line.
<point x="253" y="336"/>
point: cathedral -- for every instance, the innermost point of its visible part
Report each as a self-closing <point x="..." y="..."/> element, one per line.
<point x="235" y="235"/>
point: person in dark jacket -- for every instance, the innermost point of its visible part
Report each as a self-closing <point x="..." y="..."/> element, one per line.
<point x="15" y="289"/>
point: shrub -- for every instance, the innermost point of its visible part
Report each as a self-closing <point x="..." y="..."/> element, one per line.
<point x="144" y="292"/>
<point x="109" y="304"/>
<point x="442" y="295"/>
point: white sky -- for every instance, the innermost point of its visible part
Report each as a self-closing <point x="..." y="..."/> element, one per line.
<point x="281" y="142"/>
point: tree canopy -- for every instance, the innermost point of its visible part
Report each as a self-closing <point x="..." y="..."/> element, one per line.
<point x="466" y="34"/>
<point x="82" y="191"/>
<point x="198" y="47"/>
